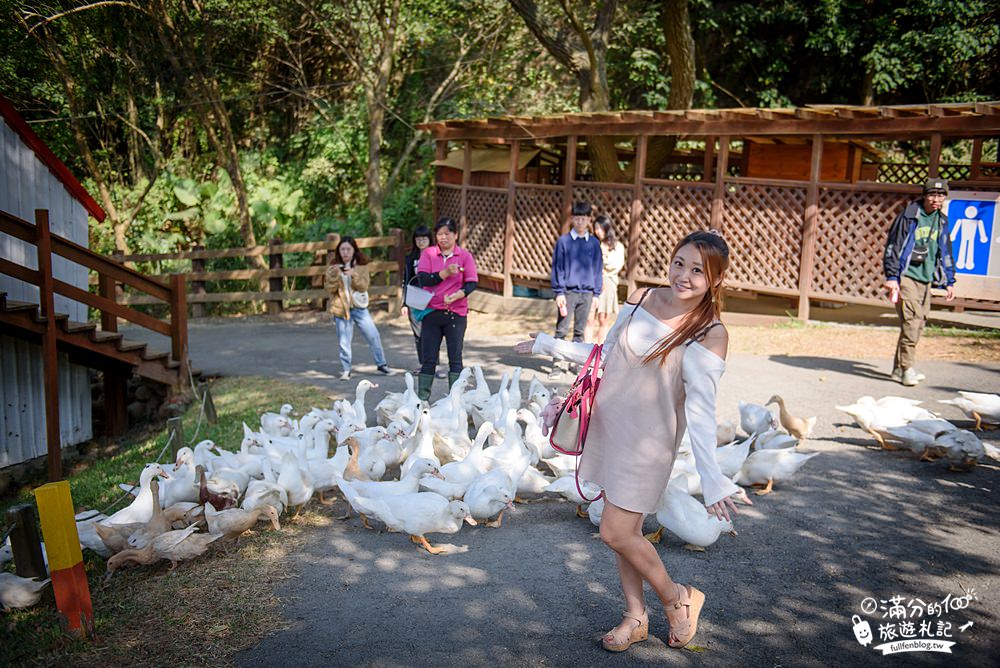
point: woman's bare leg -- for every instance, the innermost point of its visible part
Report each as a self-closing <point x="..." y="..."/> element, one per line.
<point x="603" y="325"/>
<point x="590" y="331"/>
<point x="621" y="530"/>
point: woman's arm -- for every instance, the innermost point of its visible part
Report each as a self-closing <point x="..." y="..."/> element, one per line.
<point x="702" y="367"/>
<point x="614" y="261"/>
<point x="331" y="280"/>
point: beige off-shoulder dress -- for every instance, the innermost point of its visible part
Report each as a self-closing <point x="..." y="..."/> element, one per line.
<point x="642" y="411"/>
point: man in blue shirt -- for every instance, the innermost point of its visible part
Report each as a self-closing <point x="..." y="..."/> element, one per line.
<point x="577" y="266"/>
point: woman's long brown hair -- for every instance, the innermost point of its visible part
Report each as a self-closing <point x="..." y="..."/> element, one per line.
<point x="359" y="257"/>
<point x="714" y="260"/>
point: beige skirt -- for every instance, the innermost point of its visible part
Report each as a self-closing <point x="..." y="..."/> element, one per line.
<point x="607" y="302"/>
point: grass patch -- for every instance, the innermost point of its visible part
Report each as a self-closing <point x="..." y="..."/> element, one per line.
<point x="958" y="332"/>
<point x="203" y="613"/>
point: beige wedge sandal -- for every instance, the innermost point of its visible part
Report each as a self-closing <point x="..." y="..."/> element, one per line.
<point x="682" y="632"/>
<point x="638" y="634"/>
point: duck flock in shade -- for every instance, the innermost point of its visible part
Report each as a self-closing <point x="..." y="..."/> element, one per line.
<point x="897" y="423"/>
<point x="420" y="469"/>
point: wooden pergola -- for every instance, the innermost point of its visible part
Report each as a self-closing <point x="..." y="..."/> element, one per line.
<point x="812" y="237"/>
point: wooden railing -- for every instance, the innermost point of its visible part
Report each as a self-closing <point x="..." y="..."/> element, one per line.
<point x="107" y="274"/>
<point x="385" y="273"/>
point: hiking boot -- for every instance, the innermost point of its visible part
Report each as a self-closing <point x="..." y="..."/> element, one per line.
<point x="385" y="369"/>
<point x="897" y="375"/>
<point x="345" y="375"/>
<point x="452" y="377"/>
<point x="910" y="377"/>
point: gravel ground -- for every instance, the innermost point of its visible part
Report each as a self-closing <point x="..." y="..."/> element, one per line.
<point x="856" y="522"/>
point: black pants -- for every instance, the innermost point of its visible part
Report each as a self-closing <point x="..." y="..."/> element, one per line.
<point x="578" y="308"/>
<point x="438" y="325"/>
<point x="415" y="328"/>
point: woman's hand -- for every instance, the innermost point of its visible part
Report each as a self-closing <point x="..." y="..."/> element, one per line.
<point x="524" y="347"/>
<point x="721" y="509"/>
<point x="404" y="311"/>
<point x="455" y="296"/>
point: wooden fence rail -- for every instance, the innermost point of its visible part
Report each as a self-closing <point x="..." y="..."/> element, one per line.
<point x="385" y="273"/>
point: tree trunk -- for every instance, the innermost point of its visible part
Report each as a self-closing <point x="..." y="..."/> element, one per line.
<point x="676" y="23"/>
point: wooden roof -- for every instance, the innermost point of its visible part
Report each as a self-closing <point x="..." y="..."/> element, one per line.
<point x="953" y="120"/>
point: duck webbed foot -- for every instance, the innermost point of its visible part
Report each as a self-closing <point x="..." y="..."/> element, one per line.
<point x="364" y="520"/>
<point x="422" y="542"/>
<point x="580" y="512"/>
<point x="325" y="501"/>
<point x="495" y="524"/>
<point x="694" y="548"/>
<point x="767" y="488"/>
<point x="655" y="537"/>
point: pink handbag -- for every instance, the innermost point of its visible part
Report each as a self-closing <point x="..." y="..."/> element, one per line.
<point x="569" y="429"/>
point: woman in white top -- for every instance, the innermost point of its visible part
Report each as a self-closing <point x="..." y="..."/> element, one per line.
<point x="662" y="361"/>
<point x="606" y="307"/>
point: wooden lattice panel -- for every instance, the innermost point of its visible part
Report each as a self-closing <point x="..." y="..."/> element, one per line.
<point x="449" y="202"/>
<point x="615" y="203"/>
<point x="668" y="214"/>
<point x="539" y="220"/>
<point x="850" y="238"/>
<point x="486" y="216"/>
<point x="763" y="225"/>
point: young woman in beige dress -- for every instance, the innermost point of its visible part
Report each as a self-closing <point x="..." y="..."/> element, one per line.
<point x="662" y="362"/>
<point x="606" y="307"/>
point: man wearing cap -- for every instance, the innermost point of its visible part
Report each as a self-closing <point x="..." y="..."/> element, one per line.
<point x="577" y="275"/>
<point x="917" y="258"/>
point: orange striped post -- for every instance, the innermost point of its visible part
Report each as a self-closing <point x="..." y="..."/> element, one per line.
<point x="62" y="543"/>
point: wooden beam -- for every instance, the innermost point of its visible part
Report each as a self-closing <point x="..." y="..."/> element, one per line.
<point x="719" y="194"/>
<point x="975" y="171"/>
<point x="809" y="221"/>
<point x="50" y="357"/>
<point x="508" y="232"/>
<point x="568" y="180"/>
<point x="635" y="215"/>
<point x="935" y="157"/>
<point x="463" y="208"/>
<point x="709" y="157"/>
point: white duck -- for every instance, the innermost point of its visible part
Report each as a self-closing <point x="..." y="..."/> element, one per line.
<point x="755" y="419"/>
<point x="962" y="448"/>
<point x="141" y="509"/>
<point x="731" y="457"/>
<point x="725" y="432"/>
<point x="417" y="515"/>
<point x="495" y="406"/>
<point x="266" y="491"/>
<point x="17" y="592"/>
<point x="424" y="439"/>
<point x="480" y="393"/>
<point x="457" y="476"/>
<point x="487" y="497"/>
<point x="359" y="400"/>
<point x="877" y="416"/>
<point x="979" y="406"/>
<point x="595" y="511"/>
<point x="566" y="488"/>
<point x="533" y="438"/>
<point x="533" y="481"/>
<point x="772" y="439"/>
<point x="297" y="483"/>
<point x="399" y="405"/>
<point x="765" y="467"/>
<point x="280" y="423"/>
<point x="687" y="518"/>
<point x="182" y="485"/>
<point x="512" y="456"/>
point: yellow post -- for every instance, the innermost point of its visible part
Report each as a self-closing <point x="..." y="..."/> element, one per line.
<point x="62" y="543"/>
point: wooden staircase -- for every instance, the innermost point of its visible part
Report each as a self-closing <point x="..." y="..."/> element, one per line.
<point x="87" y="345"/>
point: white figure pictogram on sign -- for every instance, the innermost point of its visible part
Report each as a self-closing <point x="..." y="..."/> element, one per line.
<point x="967" y="228"/>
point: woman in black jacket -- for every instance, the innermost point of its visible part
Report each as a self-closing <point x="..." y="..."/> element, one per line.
<point x="421" y="240"/>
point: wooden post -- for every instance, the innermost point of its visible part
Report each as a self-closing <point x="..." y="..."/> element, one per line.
<point x="811" y="215"/>
<point x="718" y="197"/>
<point x="709" y="157"/>
<point x="440" y="153"/>
<point x="935" y="158"/>
<point x="398" y="253"/>
<point x="175" y="432"/>
<point x="115" y="400"/>
<point x="508" y="232"/>
<point x="274" y="261"/>
<point x="178" y="322"/>
<point x="50" y="357"/>
<point x="106" y="288"/>
<point x="210" y="413"/>
<point x="24" y="542"/>
<point x="975" y="169"/>
<point x="62" y="543"/>
<point x="197" y="287"/>
<point x="463" y="212"/>
<point x="635" y="217"/>
<point x="570" y="177"/>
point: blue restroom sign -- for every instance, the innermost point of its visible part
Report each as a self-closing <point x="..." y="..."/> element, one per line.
<point x="975" y="242"/>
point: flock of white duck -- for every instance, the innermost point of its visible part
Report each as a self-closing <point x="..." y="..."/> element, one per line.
<point x="443" y="478"/>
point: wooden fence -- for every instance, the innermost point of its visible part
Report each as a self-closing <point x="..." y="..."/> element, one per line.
<point x="793" y="239"/>
<point x="204" y="288"/>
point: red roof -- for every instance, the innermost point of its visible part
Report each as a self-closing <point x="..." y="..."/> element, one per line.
<point x="45" y="154"/>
